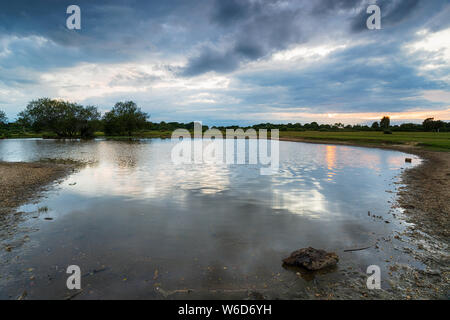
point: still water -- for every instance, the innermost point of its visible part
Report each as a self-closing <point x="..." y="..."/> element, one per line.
<point x="140" y="226"/>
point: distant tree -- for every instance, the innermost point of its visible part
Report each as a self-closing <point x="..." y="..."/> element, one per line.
<point x="3" y="119"/>
<point x="428" y="124"/>
<point x="65" y="119"/>
<point x="440" y="125"/>
<point x="410" y="127"/>
<point x="312" y="126"/>
<point x="89" y="120"/>
<point x="385" y="122"/>
<point x="124" y="118"/>
<point x="375" y="126"/>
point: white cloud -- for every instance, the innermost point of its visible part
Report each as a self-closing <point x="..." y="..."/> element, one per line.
<point x="435" y="45"/>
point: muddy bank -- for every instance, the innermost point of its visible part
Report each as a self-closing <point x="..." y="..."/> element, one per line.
<point x="21" y="181"/>
<point x="426" y="198"/>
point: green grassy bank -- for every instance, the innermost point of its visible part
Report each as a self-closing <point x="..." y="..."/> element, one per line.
<point x="428" y="140"/>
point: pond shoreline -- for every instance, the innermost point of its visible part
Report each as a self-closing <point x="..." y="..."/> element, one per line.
<point x="424" y="200"/>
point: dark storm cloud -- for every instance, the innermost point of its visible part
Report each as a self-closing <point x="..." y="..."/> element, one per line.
<point x="232" y="11"/>
<point x="212" y="59"/>
<point x="411" y="13"/>
<point x="322" y="7"/>
<point x="110" y="30"/>
<point x="257" y="29"/>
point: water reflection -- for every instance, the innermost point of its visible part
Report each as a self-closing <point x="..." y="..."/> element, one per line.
<point x="331" y="161"/>
<point x="204" y="226"/>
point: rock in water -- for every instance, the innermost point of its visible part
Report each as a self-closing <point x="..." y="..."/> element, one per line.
<point x="311" y="259"/>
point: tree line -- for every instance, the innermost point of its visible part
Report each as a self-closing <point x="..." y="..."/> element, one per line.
<point x="71" y="120"/>
<point x="383" y="125"/>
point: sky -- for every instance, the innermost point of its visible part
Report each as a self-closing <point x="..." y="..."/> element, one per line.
<point x="227" y="62"/>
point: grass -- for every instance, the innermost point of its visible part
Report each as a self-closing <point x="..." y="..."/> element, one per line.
<point x="21" y="135"/>
<point x="43" y="209"/>
<point x="428" y="140"/>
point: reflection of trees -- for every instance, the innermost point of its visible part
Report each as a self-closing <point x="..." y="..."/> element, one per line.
<point x="125" y="154"/>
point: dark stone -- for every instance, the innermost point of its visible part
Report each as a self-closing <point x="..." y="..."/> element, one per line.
<point x="311" y="259"/>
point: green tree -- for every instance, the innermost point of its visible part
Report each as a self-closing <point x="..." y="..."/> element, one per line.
<point x="3" y="119"/>
<point x="375" y="126"/>
<point x="124" y="118"/>
<point x="385" y="122"/>
<point x="65" y="119"/>
<point x="430" y="124"/>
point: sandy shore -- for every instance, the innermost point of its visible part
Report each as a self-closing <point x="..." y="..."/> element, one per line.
<point x="20" y="181"/>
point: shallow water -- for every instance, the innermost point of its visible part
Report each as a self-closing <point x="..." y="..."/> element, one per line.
<point x="141" y="227"/>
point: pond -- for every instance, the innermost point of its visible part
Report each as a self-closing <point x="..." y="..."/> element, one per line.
<point x="140" y="226"/>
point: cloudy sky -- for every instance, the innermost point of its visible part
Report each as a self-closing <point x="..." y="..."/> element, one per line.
<point x="231" y="61"/>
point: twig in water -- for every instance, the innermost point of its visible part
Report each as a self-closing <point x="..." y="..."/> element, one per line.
<point x="358" y="249"/>
<point x="73" y="295"/>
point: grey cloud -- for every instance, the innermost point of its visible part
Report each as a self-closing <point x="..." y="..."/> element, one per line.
<point x="252" y="30"/>
<point x="110" y="30"/>
<point x="211" y="59"/>
<point x="137" y="78"/>
<point x="271" y="27"/>
<point x="322" y="7"/>
<point x="344" y="83"/>
<point x="397" y="12"/>
<point x="232" y="11"/>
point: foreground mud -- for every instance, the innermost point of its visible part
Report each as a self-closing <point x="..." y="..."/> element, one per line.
<point x="426" y="198"/>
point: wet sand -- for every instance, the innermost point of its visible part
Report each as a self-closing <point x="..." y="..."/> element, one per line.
<point x="20" y="181"/>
